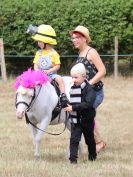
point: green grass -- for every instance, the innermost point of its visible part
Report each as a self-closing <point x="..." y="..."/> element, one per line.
<point x="116" y="126"/>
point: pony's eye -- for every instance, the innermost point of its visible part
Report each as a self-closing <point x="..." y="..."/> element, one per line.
<point x="30" y="93"/>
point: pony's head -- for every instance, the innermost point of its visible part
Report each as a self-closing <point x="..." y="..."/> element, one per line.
<point x="24" y="85"/>
<point x="31" y="78"/>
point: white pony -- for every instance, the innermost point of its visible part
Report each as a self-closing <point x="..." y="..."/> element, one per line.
<point x="36" y="97"/>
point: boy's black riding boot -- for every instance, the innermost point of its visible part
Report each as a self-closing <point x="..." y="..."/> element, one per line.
<point x="73" y="161"/>
<point x="92" y="157"/>
<point x="63" y="100"/>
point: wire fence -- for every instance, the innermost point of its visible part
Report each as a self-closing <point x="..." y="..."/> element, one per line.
<point x="17" y="64"/>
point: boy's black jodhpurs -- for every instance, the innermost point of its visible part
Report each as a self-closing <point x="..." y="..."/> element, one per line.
<point x="87" y="129"/>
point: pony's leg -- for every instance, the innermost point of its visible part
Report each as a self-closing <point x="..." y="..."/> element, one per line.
<point x="43" y="125"/>
<point x="68" y="146"/>
<point x="33" y="132"/>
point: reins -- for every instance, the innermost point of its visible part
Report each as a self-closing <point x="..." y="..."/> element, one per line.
<point x="29" y="122"/>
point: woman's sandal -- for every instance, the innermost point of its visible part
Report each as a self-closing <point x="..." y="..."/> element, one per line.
<point x="99" y="146"/>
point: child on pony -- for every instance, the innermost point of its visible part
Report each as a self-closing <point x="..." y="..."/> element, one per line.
<point x="46" y="58"/>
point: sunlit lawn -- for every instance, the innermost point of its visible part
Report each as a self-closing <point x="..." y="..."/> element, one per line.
<point x="115" y="118"/>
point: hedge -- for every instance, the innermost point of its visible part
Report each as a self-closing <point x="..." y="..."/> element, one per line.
<point x="104" y="19"/>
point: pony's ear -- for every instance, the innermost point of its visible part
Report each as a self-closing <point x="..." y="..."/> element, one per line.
<point x="37" y="83"/>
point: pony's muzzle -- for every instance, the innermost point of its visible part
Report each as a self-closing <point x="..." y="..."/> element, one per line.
<point x="20" y="112"/>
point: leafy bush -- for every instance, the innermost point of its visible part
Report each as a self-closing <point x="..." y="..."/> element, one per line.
<point x="104" y="19"/>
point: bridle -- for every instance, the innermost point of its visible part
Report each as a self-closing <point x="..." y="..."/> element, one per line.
<point x="31" y="102"/>
<point x="29" y="106"/>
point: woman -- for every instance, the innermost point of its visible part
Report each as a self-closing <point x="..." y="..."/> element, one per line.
<point x="95" y="70"/>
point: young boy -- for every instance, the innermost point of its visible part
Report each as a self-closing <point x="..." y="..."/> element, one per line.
<point x="47" y="59"/>
<point x="82" y="113"/>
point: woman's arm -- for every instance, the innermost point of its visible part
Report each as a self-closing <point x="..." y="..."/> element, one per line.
<point x="97" y="61"/>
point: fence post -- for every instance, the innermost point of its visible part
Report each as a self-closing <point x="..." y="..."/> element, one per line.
<point x="116" y="58"/>
<point x="2" y="61"/>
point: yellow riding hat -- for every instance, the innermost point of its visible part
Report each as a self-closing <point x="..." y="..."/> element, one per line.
<point x="46" y="34"/>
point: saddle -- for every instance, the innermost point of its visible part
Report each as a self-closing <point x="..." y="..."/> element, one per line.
<point x="57" y="109"/>
<point x="62" y="102"/>
<point x="55" y="84"/>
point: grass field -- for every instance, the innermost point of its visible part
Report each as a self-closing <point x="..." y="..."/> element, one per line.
<point x="115" y="118"/>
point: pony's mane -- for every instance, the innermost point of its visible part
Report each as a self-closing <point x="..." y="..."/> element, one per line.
<point x="31" y="78"/>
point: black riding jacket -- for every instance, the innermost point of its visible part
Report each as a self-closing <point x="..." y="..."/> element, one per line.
<point x="85" y="109"/>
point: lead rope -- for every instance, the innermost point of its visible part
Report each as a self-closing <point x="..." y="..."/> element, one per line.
<point x="29" y="122"/>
